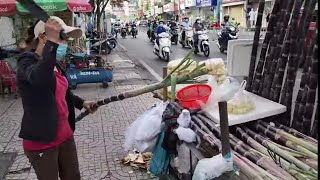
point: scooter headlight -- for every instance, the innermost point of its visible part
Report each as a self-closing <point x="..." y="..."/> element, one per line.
<point x="232" y="28"/>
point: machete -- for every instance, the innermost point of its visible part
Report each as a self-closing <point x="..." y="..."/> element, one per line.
<point x="39" y="13"/>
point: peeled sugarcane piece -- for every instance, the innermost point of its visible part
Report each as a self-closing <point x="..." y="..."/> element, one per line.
<point x="302" y="93"/>
<point x="314" y="132"/>
<point x="267" y="74"/>
<point x="182" y="70"/>
<point x="279" y="151"/>
<point x="280" y="38"/>
<point x="279" y="139"/>
<point x="269" y="34"/>
<point x="311" y="147"/>
<point x="295" y="133"/>
<point x="255" y="45"/>
<point x="311" y="91"/>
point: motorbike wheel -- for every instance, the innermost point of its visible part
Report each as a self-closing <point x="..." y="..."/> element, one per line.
<point x="221" y="49"/>
<point x="206" y="50"/>
<point x="113" y="44"/>
<point x="176" y="40"/>
<point x="166" y="57"/>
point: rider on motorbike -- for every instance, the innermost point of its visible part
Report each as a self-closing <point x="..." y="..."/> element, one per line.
<point x="225" y="21"/>
<point x="172" y="24"/>
<point x="185" y="23"/>
<point x="160" y="29"/>
<point x="197" y="26"/>
<point x="134" y="25"/>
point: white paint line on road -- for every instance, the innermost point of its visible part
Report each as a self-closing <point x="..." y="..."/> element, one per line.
<point x="153" y="73"/>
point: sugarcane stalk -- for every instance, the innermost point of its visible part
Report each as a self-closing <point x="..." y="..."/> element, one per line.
<point x="255" y="45"/>
<point x="292" y="138"/>
<point x="296" y="133"/>
<point x="279" y="151"/>
<point x="267" y="75"/>
<point x="262" y="172"/>
<point x="269" y="34"/>
<point x="283" y="141"/>
<point x="143" y="90"/>
<point x="243" y="149"/>
<point x="311" y="91"/>
<point x="245" y="168"/>
<point x="277" y="50"/>
<point x="314" y="132"/>
<point x="292" y="63"/>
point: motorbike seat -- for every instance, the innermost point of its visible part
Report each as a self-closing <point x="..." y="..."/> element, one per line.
<point x="91" y="57"/>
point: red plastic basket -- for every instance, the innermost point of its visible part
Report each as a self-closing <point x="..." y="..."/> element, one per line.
<point x="189" y="96"/>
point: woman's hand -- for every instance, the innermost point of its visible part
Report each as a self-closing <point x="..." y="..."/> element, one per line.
<point x="52" y="29"/>
<point x="90" y="106"/>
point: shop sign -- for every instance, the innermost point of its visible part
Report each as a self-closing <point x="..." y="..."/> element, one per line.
<point x="203" y="3"/>
<point x="189" y="3"/>
<point x="168" y="7"/>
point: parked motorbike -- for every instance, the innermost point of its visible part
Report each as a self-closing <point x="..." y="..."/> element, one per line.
<point x="123" y="32"/>
<point x="112" y="41"/>
<point x="203" y="43"/>
<point x="134" y="32"/>
<point x="97" y="44"/>
<point x="174" y="35"/>
<point x="163" y="50"/>
<point x="188" y="41"/>
<point x="226" y="34"/>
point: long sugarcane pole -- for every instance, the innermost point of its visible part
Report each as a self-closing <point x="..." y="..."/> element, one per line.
<point x="269" y="34"/>
<point x="292" y="63"/>
<point x="279" y="151"/>
<point x="296" y="133"/>
<point x="302" y="93"/>
<point x="285" y="142"/>
<point x="311" y="92"/>
<point x="313" y="148"/>
<point x="143" y="90"/>
<point x="279" y="37"/>
<point x="314" y="132"/>
<point x="255" y="45"/>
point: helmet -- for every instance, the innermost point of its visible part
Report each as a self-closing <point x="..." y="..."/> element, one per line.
<point x="161" y="21"/>
<point x="186" y="17"/>
<point x="226" y="17"/>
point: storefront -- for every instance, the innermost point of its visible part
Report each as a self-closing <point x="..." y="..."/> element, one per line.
<point x="267" y="8"/>
<point x="235" y="9"/>
<point x="168" y="11"/>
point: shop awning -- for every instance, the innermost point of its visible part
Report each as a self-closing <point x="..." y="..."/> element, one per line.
<point x="9" y="7"/>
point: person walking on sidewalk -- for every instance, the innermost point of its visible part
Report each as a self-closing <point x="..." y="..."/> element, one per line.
<point x="48" y="120"/>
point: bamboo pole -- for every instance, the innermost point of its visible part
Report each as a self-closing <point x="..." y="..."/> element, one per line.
<point x="255" y="45"/>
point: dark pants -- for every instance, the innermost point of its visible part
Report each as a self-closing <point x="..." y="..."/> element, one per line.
<point x="59" y="161"/>
<point x="183" y="34"/>
<point x="195" y="42"/>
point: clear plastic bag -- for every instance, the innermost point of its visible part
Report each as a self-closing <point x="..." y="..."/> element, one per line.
<point x="241" y="102"/>
<point x="223" y="92"/>
<point x="186" y="134"/>
<point x="184" y="119"/>
<point x="144" y="130"/>
<point x="210" y="168"/>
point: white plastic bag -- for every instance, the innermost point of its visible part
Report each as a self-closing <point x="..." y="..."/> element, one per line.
<point x="241" y="102"/>
<point x="186" y="134"/>
<point x="223" y="92"/>
<point x="142" y="133"/>
<point x="184" y="119"/>
<point x="210" y="168"/>
<point x="182" y="161"/>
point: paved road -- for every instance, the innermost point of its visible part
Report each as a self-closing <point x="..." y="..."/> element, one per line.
<point x="141" y="50"/>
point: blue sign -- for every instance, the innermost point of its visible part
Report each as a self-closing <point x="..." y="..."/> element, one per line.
<point x="203" y="3"/>
<point x="214" y="2"/>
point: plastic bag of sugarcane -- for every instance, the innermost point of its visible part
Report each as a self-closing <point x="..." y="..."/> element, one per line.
<point x="241" y="102"/>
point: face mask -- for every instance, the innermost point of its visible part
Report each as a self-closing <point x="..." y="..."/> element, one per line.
<point x="160" y="25"/>
<point x="61" y="51"/>
<point x="198" y="21"/>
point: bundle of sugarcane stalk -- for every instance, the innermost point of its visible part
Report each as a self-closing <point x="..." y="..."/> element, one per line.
<point x="262" y="150"/>
<point x="283" y="49"/>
